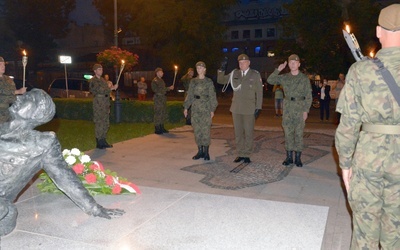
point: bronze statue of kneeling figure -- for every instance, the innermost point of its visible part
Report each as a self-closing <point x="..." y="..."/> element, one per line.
<point x="25" y="151"/>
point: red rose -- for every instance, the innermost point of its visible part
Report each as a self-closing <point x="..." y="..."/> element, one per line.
<point x="90" y="178"/>
<point x="109" y="180"/>
<point x="116" y="189"/>
<point x="97" y="166"/>
<point x="78" y="168"/>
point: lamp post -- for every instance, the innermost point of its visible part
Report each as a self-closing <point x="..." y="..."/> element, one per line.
<point x="117" y="102"/>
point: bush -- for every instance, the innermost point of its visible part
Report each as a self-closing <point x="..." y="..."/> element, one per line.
<point x="131" y="111"/>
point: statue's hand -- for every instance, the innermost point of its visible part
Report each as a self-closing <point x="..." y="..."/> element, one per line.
<point x="107" y="213"/>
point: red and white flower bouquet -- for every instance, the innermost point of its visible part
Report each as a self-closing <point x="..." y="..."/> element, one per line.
<point x="94" y="177"/>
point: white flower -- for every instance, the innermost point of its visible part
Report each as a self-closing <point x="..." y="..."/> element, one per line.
<point x="70" y="160"/>
<point x="85" y="159"/>
<point x="66" y="152"/>
<point x="75" y="151"/>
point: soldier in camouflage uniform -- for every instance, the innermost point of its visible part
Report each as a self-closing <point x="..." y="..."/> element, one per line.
<point x="160" y="101"/>
<point x="101" y="106"/>
<point x="186" y="83"/>
<point x="203" y="100"/>
<point x="246" y="104"/>
<point x="7" y="92"/>
<point x="298" y="98"/>
<point x="367" y="141"/>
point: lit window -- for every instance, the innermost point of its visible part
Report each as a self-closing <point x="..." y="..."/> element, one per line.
<point x="225" y="50"/>
<point x="257" y="50"/>
<point x="235" y="49"/>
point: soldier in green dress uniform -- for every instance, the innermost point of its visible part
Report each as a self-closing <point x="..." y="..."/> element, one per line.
<point x="246" y="104"/>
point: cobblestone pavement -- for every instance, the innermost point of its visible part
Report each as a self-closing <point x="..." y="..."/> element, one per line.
<point x="266" y="165"/>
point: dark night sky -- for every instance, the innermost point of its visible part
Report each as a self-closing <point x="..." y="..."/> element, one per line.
<point x="85" y="12"/>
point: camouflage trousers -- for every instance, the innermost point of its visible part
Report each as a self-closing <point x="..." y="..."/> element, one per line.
<point x="201" y="123"/>
<point x="293" y="126"/>
<point x="101" y="116"/>
<point x="160" y="109"/>
<point x="374" y="198"/>
<point x="4" y="115"/>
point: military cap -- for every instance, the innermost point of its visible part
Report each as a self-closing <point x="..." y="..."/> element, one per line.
<point x="1" y="59"/>
<point x="243" y="57"/>
<point x="97" y="66"/>
<point x="190" y="69"/>
<point x="294" y="57"/>
<point x="157" y="69"/>
<point x="389" y="18"/>
<point x="200" y="63"/>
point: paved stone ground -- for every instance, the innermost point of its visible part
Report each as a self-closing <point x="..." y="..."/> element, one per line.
<point x="266" y="165"/>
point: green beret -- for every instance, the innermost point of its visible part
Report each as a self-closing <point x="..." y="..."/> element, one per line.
<point x="157" y="69"/>
<point x="97" y="66"/>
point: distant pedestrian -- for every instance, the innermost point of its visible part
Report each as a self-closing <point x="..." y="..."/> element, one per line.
<point x="160" y="101"/>
<point x="142" y="89"/>
<point x="8" y="91"/>
<point x="324" y="99"/>
<point x="296" y="106"/>
<point x="203" y="101"/>
<point x="338" y="88"/>
<point x="101" y="106"/>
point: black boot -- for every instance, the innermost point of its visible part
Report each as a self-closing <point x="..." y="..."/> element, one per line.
<point x="289" y="158"/>
<point x="99" y="144"/>
<point x="106" y="145"/>
<point x="157" y="129"/>
<point x="206" y="154"/>
<point x="163" y="129"/>
<point x="199" y="154"/>
<point x="297" y="159"/>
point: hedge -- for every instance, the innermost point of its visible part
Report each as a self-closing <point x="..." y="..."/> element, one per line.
<point x="131" y="110"/>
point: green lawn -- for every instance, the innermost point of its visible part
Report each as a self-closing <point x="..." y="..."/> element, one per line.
<point x="80" y="134"/>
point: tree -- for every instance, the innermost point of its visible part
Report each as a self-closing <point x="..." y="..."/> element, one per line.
<point x="37" y="23"/>
<point x="314" y="31"/>
<point x="179" y="32"/>
<point x="113" y="57"/>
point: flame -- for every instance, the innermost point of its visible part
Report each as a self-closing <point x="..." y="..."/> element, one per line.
<point x="371" y="54"/>
<point x="122" y="61"/>
<point x="24" y="52"/>
<point x="348" y="28"/>
<point x="176" y="67"/>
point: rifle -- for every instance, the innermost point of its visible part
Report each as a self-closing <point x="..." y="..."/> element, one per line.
<point x="353" y="44"/>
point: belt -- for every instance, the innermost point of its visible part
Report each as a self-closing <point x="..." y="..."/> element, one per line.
<point x="296" y="98"/>
<point x="199" y="97"/>
<point x="381" y="128"/>
<point x="102" y="95"/>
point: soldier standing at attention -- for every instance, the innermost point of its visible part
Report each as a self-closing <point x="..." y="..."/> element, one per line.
<point x="7" y="92"/>
<point x="186" y="83"/>
<point x="368" y="138"/>
<point x="101" y="105"/>
<point x="246" y="104"/>
<point x="160" y="101"/>
<point x="203" y="100"/>
<point x="296" y="106"/>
